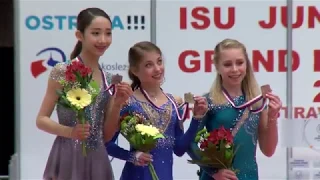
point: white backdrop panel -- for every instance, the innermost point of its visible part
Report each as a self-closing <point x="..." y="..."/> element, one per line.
<point x="188" y="31"/>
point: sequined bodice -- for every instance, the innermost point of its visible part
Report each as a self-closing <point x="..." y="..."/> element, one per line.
<point x="94" y="113"/>
<point x="246" y="138"/>
<point x="163" y="117"/>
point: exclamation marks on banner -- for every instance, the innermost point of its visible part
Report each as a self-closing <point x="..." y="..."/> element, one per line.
<point x="142" y="22"/>
<point x="138" y="22"/>
<point x="129" y="22"/>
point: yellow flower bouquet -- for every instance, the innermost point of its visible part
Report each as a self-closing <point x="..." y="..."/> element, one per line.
<point x="142" y="137"/>
<point x="79" y="91"/>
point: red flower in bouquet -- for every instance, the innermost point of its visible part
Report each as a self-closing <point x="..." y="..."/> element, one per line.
<point x="216" y="136"/>
<point x="77" y="70"/>
<point x="216" y="149"/>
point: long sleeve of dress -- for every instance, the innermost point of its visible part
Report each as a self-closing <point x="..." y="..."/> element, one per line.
<point x="193" y="147"/>
<point x="118" y="152"/>
<point x="183" y="140"/>
<point x="114" y="149"/>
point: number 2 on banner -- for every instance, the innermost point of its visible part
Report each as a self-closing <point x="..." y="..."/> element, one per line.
<point x="317" y="97"/>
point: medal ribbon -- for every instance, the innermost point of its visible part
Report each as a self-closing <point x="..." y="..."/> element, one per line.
<point x="112" y="88"/>
<point x="247" y="104"/>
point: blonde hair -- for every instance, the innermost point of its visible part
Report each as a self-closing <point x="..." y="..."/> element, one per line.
<point x="249" y="83"/>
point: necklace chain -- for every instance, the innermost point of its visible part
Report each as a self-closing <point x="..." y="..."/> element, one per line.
<point x="154" y="98"/>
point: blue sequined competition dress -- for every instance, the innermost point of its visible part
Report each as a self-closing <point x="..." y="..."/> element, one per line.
<point x="175" y="141"/>
<point x="66" y="161"/>
<point x="245" y="139"/>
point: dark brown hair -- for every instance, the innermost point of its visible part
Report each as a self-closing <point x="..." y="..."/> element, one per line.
<point x="84" y="20"/>
<point x="136" y="54"/>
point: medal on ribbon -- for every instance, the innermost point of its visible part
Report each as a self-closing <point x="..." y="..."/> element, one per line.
<point x="265" y="89"/>
<point x="189" y="98"/>
<point x="115" y="79"/>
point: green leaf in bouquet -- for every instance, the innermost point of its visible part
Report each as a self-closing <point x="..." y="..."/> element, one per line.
<point x="147" y="147"/>
<point x="80" y="80"/>
<point x="228" y="154"/>
<point x="95" y="86"/>
<point x="127" y="118"/>
<point x="123" y="125"/>
<point x="133" y="120"/>
<point x="63" y="82"/>
<point x="197" y="138"/>
<point x="201" y="132"/>
<point x="138" y="139"/>
<point x="198" y="133"/>
<point x="158" y="136"/>
<point x="133" y="141"/>
<point x="233" y="154"/>
<point x="60" y="92"/>
<point x="63" y="104"/>
<point x="204" y="130"/>
<point x="62" y="101"/>
<point x="149" y="140"/>
<point x="216" y="156"/>
<point x="146" y="141"/>
<point x="90" y="76"/>
<point x="65" y="100"/>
